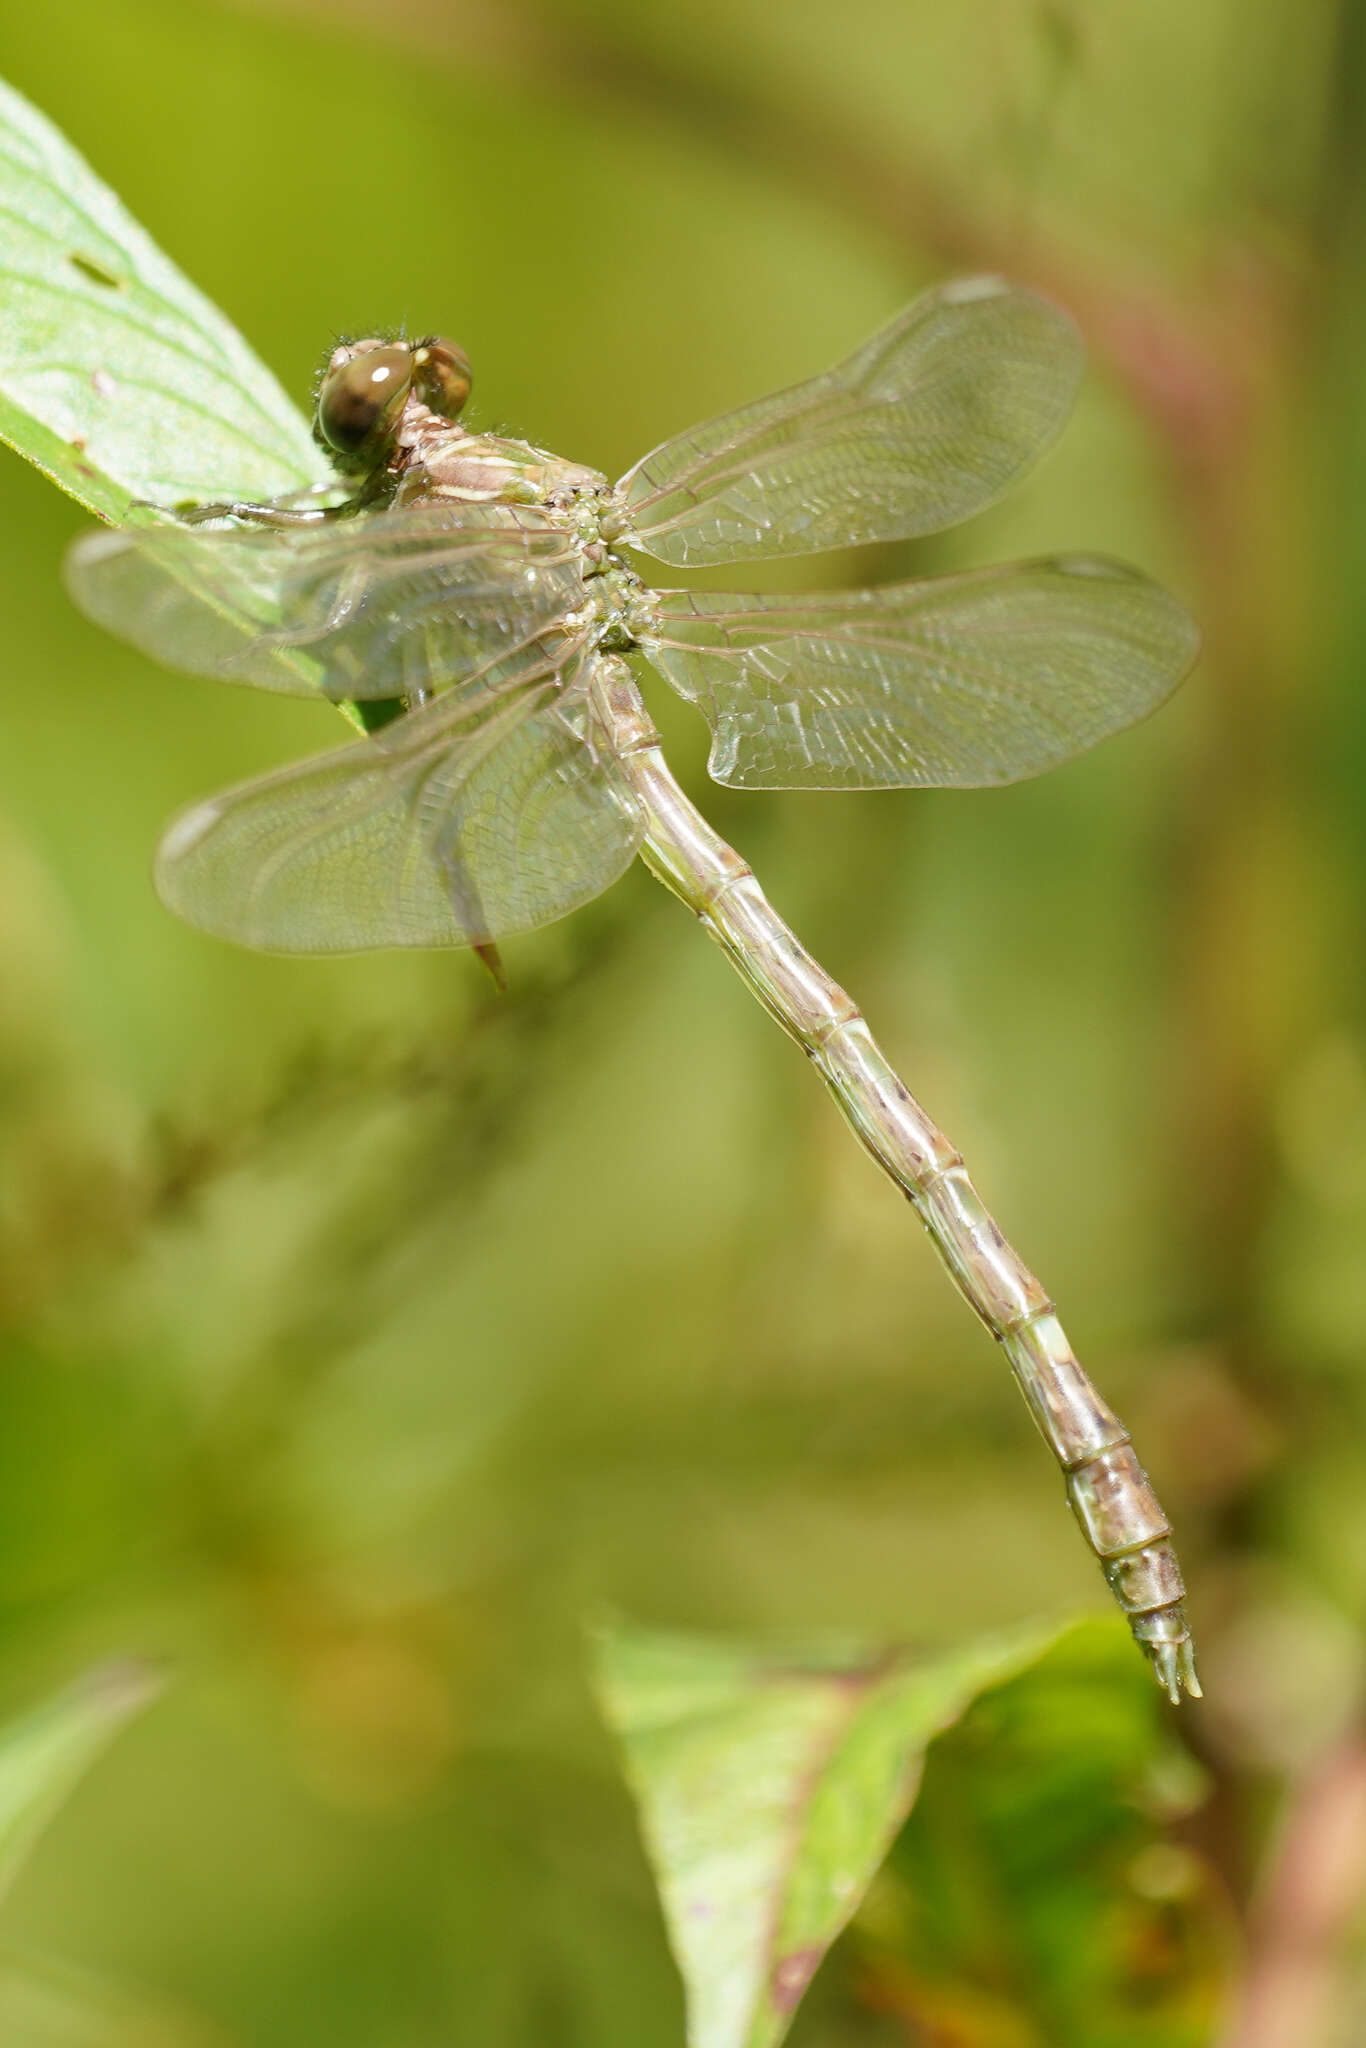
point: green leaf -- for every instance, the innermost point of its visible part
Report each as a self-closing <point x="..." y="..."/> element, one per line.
<point x="118" y="378"/>
<point x="43" y="1754"/>
<point x="1033" y="1900"/>
<point x="769" y="1791"/>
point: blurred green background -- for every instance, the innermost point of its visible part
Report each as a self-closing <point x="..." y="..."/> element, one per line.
<point x="361" y="1328"/>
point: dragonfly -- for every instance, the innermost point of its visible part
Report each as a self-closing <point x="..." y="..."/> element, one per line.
<point x="478" y="607"/>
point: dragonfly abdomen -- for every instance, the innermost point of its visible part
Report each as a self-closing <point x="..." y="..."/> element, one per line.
<point x="1109" y="1491"/>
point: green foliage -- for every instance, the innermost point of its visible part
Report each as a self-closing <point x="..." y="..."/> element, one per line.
<point x="45" y="1754"/>
<point x="1028" y="1902"/>
<point x="1031" y="1902"/>
<point x="117" y="378"/>
<point x="770" y="1789"/>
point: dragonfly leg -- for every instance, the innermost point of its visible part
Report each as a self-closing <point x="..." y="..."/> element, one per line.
<point x="250" y="513"/>
<point x="291" y="509"/>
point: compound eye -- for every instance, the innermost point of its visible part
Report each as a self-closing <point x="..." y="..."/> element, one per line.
<point x="359" y="403"/>
<point x="441" y="373"/>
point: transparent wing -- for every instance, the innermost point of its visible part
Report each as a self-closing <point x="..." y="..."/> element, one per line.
<point x="957" y="681"/>
<point x="923" y="426"/>
<point x="486" y="813"/>
<point x="384" y="604"/>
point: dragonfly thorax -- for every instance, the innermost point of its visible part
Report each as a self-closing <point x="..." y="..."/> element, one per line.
<point x="439" y="462"/>
<point x="442" y="464"/>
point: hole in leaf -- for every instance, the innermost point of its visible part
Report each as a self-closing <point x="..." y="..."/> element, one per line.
<point x="96" y="272"/>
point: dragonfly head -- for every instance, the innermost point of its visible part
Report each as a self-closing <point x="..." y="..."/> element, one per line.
<point x="441" y="376"/>
<point x="365" y="391"/>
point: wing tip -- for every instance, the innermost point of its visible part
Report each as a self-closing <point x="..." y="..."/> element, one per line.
<point x="1104" y="569"/>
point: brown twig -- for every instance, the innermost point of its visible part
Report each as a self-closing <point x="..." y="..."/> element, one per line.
<point x="1315" y="1884"/>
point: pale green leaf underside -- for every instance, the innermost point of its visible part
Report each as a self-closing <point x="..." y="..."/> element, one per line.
<point x="118" y="378"/>
<point x="769" y="1792"/>
<point x="43" y="1754"/>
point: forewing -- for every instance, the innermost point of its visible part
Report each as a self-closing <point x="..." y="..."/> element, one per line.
<point x="487" y="813"/>
<point x="382" y="604"/>
<point x="923" y="426"/>
<point x="957" y="681"/>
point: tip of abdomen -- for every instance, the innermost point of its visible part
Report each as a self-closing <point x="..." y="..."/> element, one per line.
<point x="1163" y="1634"/>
